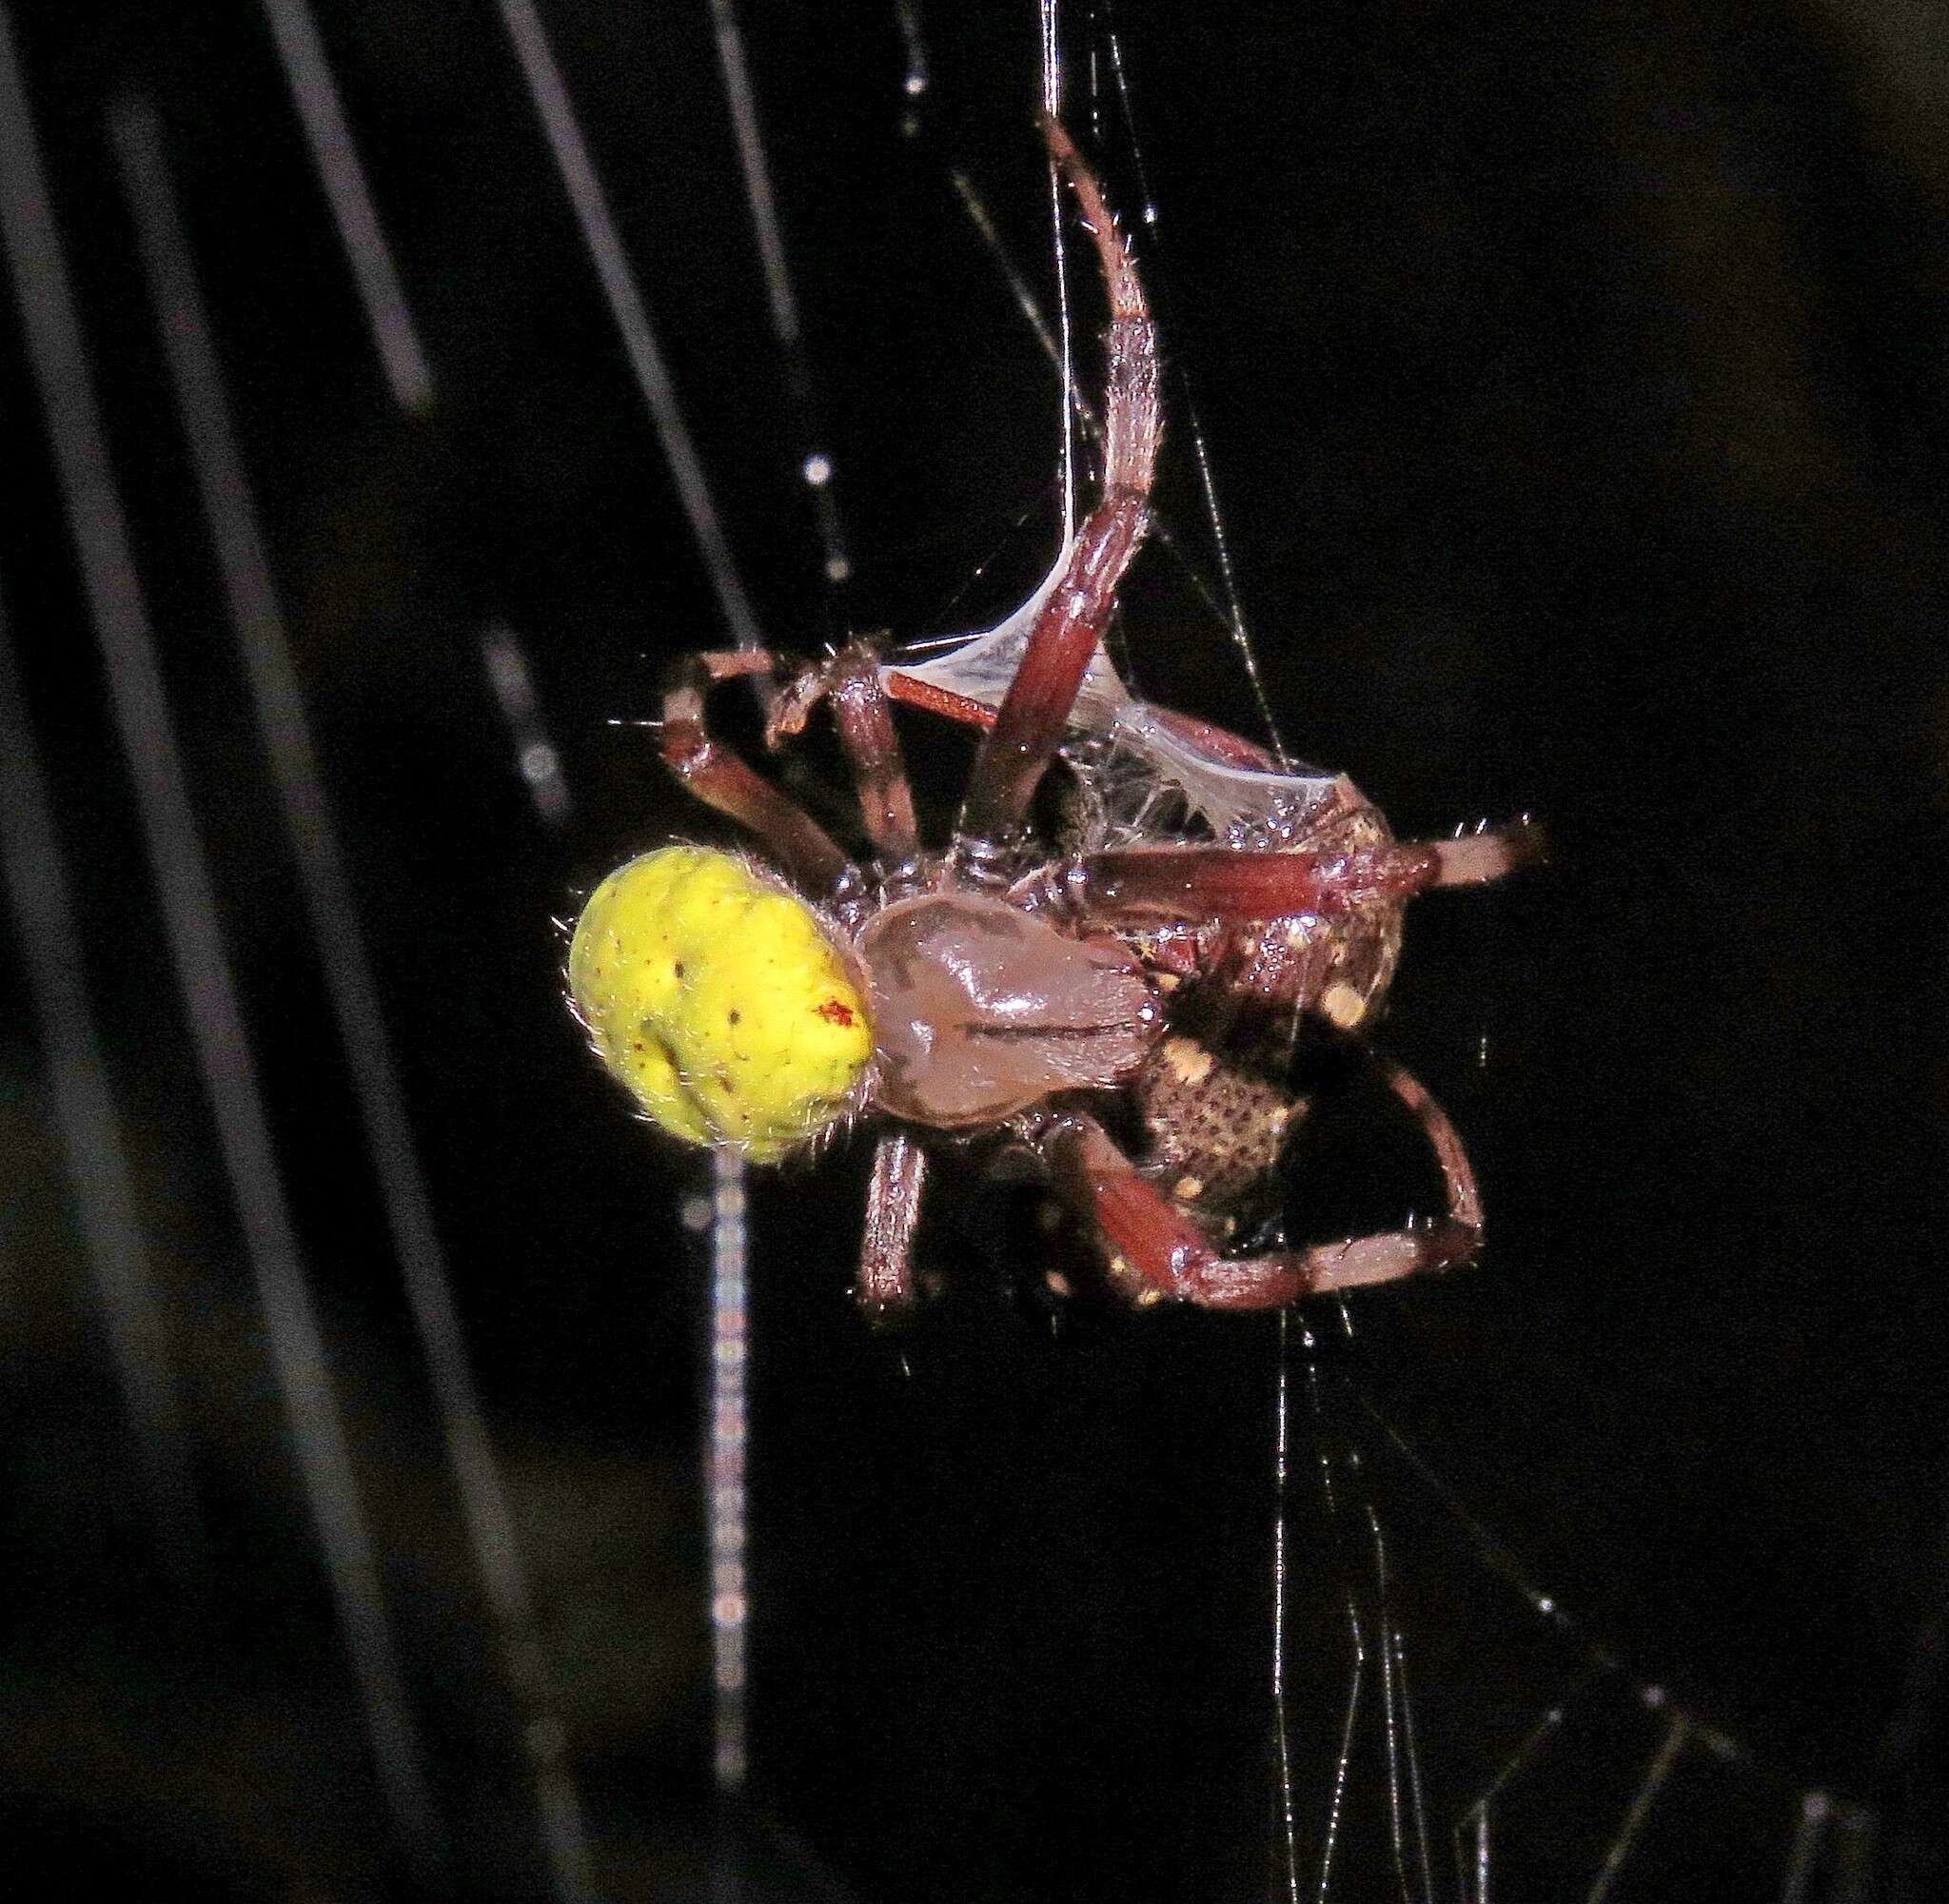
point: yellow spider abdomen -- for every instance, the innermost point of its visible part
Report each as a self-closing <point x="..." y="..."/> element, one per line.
<point x="719" y="1000"/>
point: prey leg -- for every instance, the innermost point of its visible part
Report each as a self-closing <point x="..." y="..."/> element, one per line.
<point x="1151" y="1237"/>
<point x="1224" y="884"/>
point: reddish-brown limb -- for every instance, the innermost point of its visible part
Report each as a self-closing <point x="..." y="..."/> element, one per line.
<point x="1029" y="726"/>
<point x="885" y="1284"/>
<point x="1131" y="421"/>
<point x="1222" y="883"/>
<point x="1151" y="1237"/>
<point x="721" y="779"/>
<point x="860" y="710"/>
<point x="912" y="691"/>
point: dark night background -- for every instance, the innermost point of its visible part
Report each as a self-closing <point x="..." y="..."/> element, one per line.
<point x="1576" y="387"/>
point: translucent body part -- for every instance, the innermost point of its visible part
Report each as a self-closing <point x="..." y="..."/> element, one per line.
<point x="984" y="1010"/>
<point x="1230" y="785"/>
<point x="717" y="998"/>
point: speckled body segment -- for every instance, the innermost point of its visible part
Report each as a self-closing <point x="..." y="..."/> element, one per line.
<point x="718" y="999"/>
<point x="1214" y="1098"/>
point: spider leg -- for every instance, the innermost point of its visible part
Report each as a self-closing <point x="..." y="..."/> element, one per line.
<point x="885" y="1284"/>
<point x="1147" y="1234"/>
<point x="1223" y="883"/>
<point x="721" y="779"/>
<point x="862" y="714"/>
<point x="1029" y="725"/>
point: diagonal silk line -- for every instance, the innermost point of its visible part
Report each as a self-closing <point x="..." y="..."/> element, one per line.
<point x="120" y="615"/>
<point x="322" y="113"/>
<point x="332" y="910"/>
<point x="625" y="297"/>
<point x="41" y="897"/>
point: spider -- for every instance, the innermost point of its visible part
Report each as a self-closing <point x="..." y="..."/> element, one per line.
<point x="1156" y="977"/>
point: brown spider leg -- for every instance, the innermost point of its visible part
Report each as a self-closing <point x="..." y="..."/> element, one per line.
<point x="1150" y="1235"/>
<point x="1216" y="882"/>
<point x="885" y="1284"/>
<point x="862" y="713"/>
<point x="721" y="779"/>
<point x="1029" y="725"/>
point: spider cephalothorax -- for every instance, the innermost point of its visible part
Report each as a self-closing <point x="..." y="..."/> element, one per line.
<point x="1214" y="901"/>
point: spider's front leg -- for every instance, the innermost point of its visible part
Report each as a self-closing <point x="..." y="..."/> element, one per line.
<point x="1158" y="1243"/>
<point x="1029" y="724"/>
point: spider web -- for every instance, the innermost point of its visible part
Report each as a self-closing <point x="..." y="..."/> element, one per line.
<point x="1282" y="1629"/>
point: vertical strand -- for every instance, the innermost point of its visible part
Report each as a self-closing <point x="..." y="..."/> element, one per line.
<point x="1417" y="1796"/>
<point x="1282" y="1429"/>
<point x="1207" y="488"/>
<point x="120" y="615"/>
<point x="1391" y="1695"/>
<point x="1051" y="104"/>
<point x="727" y="1499"/>
<point x="1330" y="1502"/>
<point x="730" y="1584"/>
<point x="1330" y="1837"/>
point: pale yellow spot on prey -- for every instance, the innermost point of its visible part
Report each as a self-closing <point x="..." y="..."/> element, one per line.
<point x="1343" y="1004"/>
<point x="1188" y="1060"/>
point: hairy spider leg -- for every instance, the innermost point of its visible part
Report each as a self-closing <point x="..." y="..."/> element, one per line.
<point x="721" y="779"/>
<point x="885" y="1284"/>
<point x="862" y="714"/>
<point x="1029" y="724"/>
<point x="1228" y="884"/>
<point x="1155" y="1241"/>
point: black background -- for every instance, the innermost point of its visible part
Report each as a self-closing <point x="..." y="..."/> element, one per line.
<point x="1574" y="389"/>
